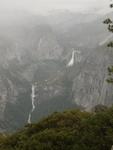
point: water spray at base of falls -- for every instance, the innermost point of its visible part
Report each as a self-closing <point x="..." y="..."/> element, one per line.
<point x="33" y="97"/>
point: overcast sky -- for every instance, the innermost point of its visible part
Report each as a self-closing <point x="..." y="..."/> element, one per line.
<point x="47" y="5"/>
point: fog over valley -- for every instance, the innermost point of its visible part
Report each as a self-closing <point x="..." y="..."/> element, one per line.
<point x="53" y="57"/>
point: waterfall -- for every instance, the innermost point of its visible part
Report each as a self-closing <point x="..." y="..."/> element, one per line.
<point x="40" y="42"/>
<point x="33" y="96"/>
<point x="76" y="56"/>
<point x="71" y="62"/>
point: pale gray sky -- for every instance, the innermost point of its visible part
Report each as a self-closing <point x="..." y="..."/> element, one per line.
<point x="46" y="5"/>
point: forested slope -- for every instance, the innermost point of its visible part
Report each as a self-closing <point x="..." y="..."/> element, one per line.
<point x="70" y="130"/>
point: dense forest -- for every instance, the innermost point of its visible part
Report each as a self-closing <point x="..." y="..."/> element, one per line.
<point x="69" y="130"/>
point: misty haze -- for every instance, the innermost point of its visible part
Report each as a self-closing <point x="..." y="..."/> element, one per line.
<point x="56" y="60"/>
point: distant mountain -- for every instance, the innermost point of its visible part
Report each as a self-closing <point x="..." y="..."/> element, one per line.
<point x="35" y="52"/>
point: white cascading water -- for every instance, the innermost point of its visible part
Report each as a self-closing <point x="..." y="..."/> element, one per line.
<point x="71" y="62"/>
<point x="40" y="42"/>
<point x="75" y="57"/>
<point x="33" y="103"/>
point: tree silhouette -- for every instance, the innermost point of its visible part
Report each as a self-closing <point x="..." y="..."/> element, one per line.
<point x="109" y="24"/>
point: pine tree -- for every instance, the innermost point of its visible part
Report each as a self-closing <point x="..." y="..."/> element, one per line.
<point x="109" y="24"/>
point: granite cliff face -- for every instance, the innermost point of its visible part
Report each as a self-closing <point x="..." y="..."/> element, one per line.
<point x="45" y="69"/>
<point x="89" y="86"/>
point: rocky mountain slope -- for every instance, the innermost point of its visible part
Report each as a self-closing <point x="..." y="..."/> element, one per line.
<point x="45" y="69"/>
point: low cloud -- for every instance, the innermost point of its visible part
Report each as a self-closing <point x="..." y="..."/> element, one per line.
<point x="47" y="5"/>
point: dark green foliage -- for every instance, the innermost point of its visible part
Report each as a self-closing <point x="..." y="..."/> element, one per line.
<point x="99" y="108"/>
<point x="110" y="71"/>
<point x="110" y="44"/>
<point x="70" y="130"/>
<point x="109" y="23"/>
<point x="111" y="5"/>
